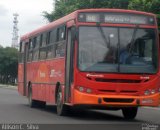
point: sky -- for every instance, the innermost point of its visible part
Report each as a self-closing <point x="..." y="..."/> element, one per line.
<point x="30" y="17"/>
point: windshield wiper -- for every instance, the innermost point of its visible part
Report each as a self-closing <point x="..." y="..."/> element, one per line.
<point x="133" y="40"/>
<point x="103" y="35"/>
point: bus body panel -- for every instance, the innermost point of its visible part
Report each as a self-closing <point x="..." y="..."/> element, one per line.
<point x="20" y="79"/>
<point x="117" y="86"/>
<point x="114" y="100"/>
<point x="44" y="76"/>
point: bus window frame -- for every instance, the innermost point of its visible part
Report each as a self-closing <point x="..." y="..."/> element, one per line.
<point x="69" y="70"/>
<point x="21" y="52"/>
<point x="57" y="43"/>
<point x="36" y="45"/>
<point x="30" y="50"/>
<point x="118" y="26"/>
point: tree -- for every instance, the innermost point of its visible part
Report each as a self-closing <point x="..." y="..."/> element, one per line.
<point x="147" y="6"/>
<point x="9" y="64"/>
<point x="64" y="7"/>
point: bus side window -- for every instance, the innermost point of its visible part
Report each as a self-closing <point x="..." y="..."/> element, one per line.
<point x="21" y="54"/>
<point x="50" y="53"/>
<point x="44" y="40"/>
<point x="42" y="54"/>
<point x="52" y="36"/>
<point x="30" y="51"/>
<point x="60" y="49"/>
<point x="22" y="47"/>
<point x="51" y="48"/>
<point x="36" y="43"/>
<point x="60" y="46"/>
<point x="61" y="33"/>
<point x="42" y="50"/>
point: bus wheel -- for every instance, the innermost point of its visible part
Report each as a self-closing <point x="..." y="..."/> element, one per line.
<point x="129" y="112"/>
<point x="61" y="108"/>
<point x="32" y="103"/>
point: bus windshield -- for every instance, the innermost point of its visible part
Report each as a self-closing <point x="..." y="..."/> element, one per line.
<point x="117" y="49"/>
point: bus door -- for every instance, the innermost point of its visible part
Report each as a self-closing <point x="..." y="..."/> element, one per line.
<point x="69" y="61"/>
<point x="25" y="69"/>
<point x="22" y="68"/>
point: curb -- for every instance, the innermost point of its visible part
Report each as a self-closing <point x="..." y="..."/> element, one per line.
<point x="8" y="86"/>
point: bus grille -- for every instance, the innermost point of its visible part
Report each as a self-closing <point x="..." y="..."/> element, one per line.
<point x="128" y="91"/>
<point x="117" y="80"/>
<point x="118" y="100"/>
<point x="107" y="91"/>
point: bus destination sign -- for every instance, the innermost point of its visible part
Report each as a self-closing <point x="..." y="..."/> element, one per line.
<point x="110" y="18"/>
<point x="124" y="18"/>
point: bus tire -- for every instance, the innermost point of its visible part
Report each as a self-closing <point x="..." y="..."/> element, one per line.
<point x="32" y="103"/>
<point x="129" y="112"/>
<point x="62" y="109"/>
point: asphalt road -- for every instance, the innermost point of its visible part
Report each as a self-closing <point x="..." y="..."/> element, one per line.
<point x="14" y="109"/>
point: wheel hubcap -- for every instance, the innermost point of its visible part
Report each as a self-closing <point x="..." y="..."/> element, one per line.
<point x="59" y="100"/>
<point x="30" y="98"/>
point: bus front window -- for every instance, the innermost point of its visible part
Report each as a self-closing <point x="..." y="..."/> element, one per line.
<point x="94" y="52"/>
<point x="120" y="50"/>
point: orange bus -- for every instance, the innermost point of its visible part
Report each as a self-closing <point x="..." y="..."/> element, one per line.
<point x="96" y="58"/>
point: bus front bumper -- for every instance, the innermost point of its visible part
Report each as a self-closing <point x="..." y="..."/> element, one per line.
<point x="115" y="100"/>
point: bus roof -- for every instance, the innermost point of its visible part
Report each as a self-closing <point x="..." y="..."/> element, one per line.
<point x="72" y="16"/>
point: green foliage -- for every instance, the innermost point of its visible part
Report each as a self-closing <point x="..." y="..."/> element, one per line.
<point x="145" y="5"/>
<point x="64" y="7"/>
<point x="152" y="6"/>
<point x="9" y="64"/>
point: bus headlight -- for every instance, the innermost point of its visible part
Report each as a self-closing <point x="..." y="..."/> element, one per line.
<point x="81" y="89"/>
<point x="147" y="92"/>
<point x="150" y="92"/>
<point x="84" y="89"/>
<point x="89" y="90"/>
<point x="153" y="91"/>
